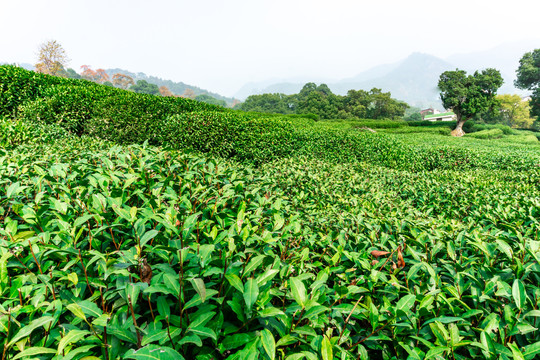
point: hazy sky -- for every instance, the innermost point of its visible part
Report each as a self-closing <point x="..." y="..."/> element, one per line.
<point x="220" y="45"/>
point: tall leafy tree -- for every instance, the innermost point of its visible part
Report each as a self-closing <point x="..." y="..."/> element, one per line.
<point x="270" y="103"/>
<point x="89" y="74"/>
<point x="189" y="93"/>
<point x="52" y="58"/>
<point x="210" y="100"/>
<point x="122" y="81"/>
<point x="468" y="95"/>
<point x="514" y="111"/>
<point x="144" y="87"/>
<point x="528" y="77"/>
<point x="382" y="106"/>
<point x="164" y="91"/>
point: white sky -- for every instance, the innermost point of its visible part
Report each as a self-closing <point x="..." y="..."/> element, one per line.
<point x="220" y="45"/>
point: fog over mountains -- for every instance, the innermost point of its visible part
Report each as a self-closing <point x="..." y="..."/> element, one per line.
<point x="415" y="78"/>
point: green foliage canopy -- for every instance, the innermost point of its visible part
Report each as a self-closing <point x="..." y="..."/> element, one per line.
<point x="468" y="95"/>
<point x="320" y="100"/>
<point x="210" y="100"/>
<point x="528" y="77"/>
<point x="144" y="87"/>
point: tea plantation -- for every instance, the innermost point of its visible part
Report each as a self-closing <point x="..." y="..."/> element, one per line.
<point x="142" y="227"/>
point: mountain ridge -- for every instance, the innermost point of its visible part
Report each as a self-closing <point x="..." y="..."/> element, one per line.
<point x="414" y="79"/>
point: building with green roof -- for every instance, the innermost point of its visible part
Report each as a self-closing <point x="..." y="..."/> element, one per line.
<point x="447" y="116"/>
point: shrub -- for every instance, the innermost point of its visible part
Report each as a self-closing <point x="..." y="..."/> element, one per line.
<point x="17" y="86"/>
<point x="427" y="123"/>
<point x="78" y="104"/>
<point x="228" y="134"/>
<point x="18" y="132"/>
<point x="69" y="106"/>
<point x="487" y="134"/>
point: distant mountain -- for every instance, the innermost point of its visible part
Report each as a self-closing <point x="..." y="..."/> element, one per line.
<point x="177" y="88"/>
<point x="415" y="78"/>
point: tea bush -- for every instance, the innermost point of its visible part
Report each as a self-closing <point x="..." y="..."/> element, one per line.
<point x="242" y="236"/>
<point x="487" y="134"/>
<point x="135" y="252"/>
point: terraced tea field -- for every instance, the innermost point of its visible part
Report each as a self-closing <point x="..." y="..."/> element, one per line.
<point x="204" y="233"/>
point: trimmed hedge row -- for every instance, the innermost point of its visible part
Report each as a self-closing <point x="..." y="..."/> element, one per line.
<point x="71" y="103"/>
<point x="123" y="117"/>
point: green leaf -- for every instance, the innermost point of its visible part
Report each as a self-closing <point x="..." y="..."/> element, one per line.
<point x="76" y="310"/>
<point x="253" y="264"/>
<point x="440" y="333"/>
<point x="102" y="320"/>
<point x="71" y="337"/>
<point x="133" y="212"/>
<point x="266" y="276"/>
<point x="444" y="320"/>
<point x="530" y="351"/>
<point x="148" y="236"/>
<point x="34" y="351"/>
<point x="326" y="349"/>
<point x="163" y="306"/>
<point x="190" y="339"/>
<point x="172" y="283"/>
<point x="4" y="275"/>
<point x="89" y="308"/>
<point x="235" y="281"/>
<point x="518" y="293"/>
<point x="234" y="341"/>
<point x="271" y="312"/>
<point x="434" y="351"/>
<point x="73" y="278"/>
<point x="298" y="291"/>
<point x="153" y="336"/>
<point x="13" y="189"/>
<point x="405" y="303"/>
<point x="505" y="248"/>
<point x="153" y="352"/>
<point x="516" y="353"/>
<point x="198" y="285"/>
<point x="251" y="293"/>
<point x="203" y="331"/>
<point x="27" y="330"/>
<point x="269" y="344"/>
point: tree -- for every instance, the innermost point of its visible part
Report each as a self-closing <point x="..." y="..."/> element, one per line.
<point x="70" y="73"/>
<point x="514" y="111"/>
<point x="528" y="77"/>
<point x="356" y="103"/>
<point x="102" y="76"/>
<point x="164" y="91"/>
<point x="122" y="81"/>
<point x="52" y="58"/>
<point x="469" y="95"/>
<point x="189" y="93"/>
<point x="210" y="100"/>
<point x="88" y="74"/>
<point x="382" y="106"/>
<point x="144" y="87"/>
<point x="236" y="104"/>
<point x="99" y="75"/>
<point x="268" y="103"/>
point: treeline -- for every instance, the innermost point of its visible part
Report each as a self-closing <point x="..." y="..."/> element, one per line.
<point x="128" y="81"/>
<point x="320" y="101"/>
